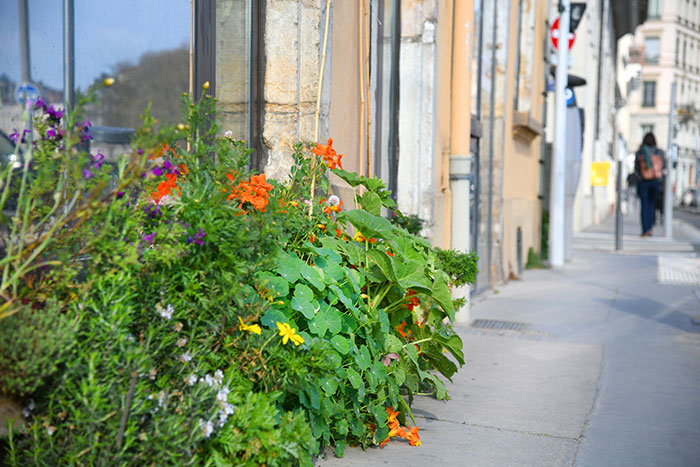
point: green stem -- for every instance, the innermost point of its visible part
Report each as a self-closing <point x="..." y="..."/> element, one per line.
<point x="417" y="342"/>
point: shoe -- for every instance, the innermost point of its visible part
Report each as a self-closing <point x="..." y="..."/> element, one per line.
<point x="647" y="234"/>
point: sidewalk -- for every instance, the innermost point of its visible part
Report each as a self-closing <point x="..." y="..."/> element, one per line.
<point x="600" y="366"/>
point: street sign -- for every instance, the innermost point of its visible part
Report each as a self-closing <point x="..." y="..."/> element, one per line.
<point x="577" y="10"/>
<point x="554" y="35"/>
<point x="570" y="97"/>
<point x="27" y="91"/>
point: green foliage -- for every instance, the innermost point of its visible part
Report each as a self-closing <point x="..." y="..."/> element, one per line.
<point x="533" y="260"/>
<point x="224" y="319"/>
<point x="31" y="343"/>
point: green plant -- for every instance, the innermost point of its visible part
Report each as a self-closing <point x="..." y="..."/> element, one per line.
<point x="533" y="260"/>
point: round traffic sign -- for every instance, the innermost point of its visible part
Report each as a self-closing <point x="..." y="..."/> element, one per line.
<point x="27" y="91"/>
<point x="554" y="35"/>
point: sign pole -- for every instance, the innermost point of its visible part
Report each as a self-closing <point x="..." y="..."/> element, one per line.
<point x="556" y="210"/>
<point x="668" y="184"/>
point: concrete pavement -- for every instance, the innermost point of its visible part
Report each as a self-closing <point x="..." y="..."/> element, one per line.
<point x="603" y="370"/>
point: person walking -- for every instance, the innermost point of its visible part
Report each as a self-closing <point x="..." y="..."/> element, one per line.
<point x="648" y="165"/>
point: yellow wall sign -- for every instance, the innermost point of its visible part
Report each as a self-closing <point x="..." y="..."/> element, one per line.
<point x="599" y="173"/>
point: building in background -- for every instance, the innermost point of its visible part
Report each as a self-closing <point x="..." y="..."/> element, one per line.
<point x="669" y="42"/>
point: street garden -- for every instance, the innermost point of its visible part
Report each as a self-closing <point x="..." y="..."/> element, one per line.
<point x="173" y="308"/>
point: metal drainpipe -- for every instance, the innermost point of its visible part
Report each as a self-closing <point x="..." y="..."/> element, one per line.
<point x="68" y="56"/>
<point x="460" y="184"/>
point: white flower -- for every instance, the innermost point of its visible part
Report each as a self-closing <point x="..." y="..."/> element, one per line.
<point x="26" y="413"/>
<point x="178" y="326"/>
<point x="208" y="380"/>
<point x="191" y="379"/>
<point x="228" y="134"/>
<point x="181" y="342"/>
<point x="166" y="200"/>
<point x="333" y="200"/>
<point x="50" y="430"/>
<point x="227" y="408"/>
<point x="219" y="376"/>
<point x="222" y="395"/>
<point x="307" y="202"/>
<point x="185" y="357"/>
<point x="167" y="313"/>
<point x="31" y="405"/>
<point x="207" y="427"/>
<point x="161" y="399"/>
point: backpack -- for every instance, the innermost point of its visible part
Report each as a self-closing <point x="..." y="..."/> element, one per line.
<point x="657" y="166"/>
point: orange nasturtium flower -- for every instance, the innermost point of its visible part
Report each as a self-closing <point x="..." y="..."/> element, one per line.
<point x="255" y="192"/>
<point x="254" y="328"/>
<point x="289" y="333"/>
<point x="412" y="436"/>
<point x="330" y="157"/>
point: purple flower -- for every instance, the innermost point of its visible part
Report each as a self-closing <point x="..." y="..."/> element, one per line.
<point x="15" y="136"/>
<point x="152" y="211"/>
<point x="87" y="174"/>
<point x="197" y="238"/>
<point x="54" y="133"/>
<point x="40" y="104"/>
<point x="54" y="113"/>
<point x="157" y="172"/>
<point x="120" y="194"/>
<point x="140" y="152"/>
<point x="97" y="159"/>
<point x="149" y="237"/>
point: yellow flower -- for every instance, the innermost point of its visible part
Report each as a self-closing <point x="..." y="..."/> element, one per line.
<point x="206" y="85"/>
<point x="288" y="333"/>
<point x="254" y="328"/>
<point x="358" y="237"/>
<point x="108" y="82"/>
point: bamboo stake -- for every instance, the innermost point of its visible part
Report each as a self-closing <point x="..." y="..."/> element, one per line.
<point x="191" y="57"/>
<point x="317" y="112"/>
<point x="367" y="89"/>
<point x="362" y="86"/>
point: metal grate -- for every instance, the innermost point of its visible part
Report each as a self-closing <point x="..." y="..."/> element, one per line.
<point x="496" y="324"/>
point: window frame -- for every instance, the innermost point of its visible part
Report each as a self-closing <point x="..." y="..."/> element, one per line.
<point x="652" y="86"/>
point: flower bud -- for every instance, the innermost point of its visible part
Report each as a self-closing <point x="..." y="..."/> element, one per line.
<point x="108" y="82"/>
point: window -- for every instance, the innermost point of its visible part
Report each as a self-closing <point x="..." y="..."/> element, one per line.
<point x="654" y="9"/>
<point x="678" y="47"/>
<point x="651" y="50"/>
<point x="649" y="94"/>
<point x="647" y="128"/>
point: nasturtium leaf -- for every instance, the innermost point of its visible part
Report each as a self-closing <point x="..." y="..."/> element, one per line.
<point x="334" y="359"/>
<point x="349" y="324"/>
<point x="332" y="271"/>
<point x="354" y="378"/>
<point x="399" y="376"/>
<point x="304" y="306"/>
<point x="341" y="344"/>
<point x="340" y="446"/>
<point x="378" y="370"/>
<point x="384" y="321"/>
<point x="411" y="275"/>
<point x="371" y="203"/>
<point x="329" y="385"/>
<point x="287" y="266"/>
<point x="380" y="414"/>
<point x="440" y="389"/>
<point x="272" y="316"/>
<point x="383" y="261"/>
<point x="441" y="363"/>
<point x="412" y="352"/>
<point x="362" y="358"/>
<point x="318" y="325"/>
<point x="393" y="344"/>
<point x="341" y="427"/>
<point x="356" y="280"/>
<point x="441" y="294"/>
<point x="334" y="321"/>
<point x="279" y="286"/>
<point x="369" y="224"/>
<point x="303" y="291"/>
<point x="452" y="343"/>
<point x="314" y="275"/>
